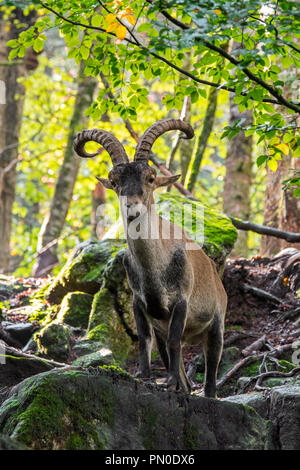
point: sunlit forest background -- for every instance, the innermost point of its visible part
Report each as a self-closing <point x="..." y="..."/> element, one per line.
<point x="62" y="79"/>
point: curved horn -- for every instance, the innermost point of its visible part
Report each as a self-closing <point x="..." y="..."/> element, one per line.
<point x="108" y="141"/>
<point x="147" y="140"/>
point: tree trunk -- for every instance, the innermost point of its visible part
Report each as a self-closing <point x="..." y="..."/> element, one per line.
<point x="282" y="210"/>
<point x="11" y="110"/>
<point x="202" y="139"/>
<point x="98" y="199"/>
<point x="55" y="219"/>
<point x="236" y="196"/>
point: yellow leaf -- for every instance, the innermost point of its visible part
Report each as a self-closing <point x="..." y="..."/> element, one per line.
<point x="283" y="148"/>
<point x="130" y="19"/>
<point x="112" y="26"/>
<point x="121" y="32"/>
<point x="272" y="164"/>
<point x="110" y="18"/>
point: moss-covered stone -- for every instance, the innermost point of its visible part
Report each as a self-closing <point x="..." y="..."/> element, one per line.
<point x="99" y="358"/>
<point x="84" y="269"/>
<point x="105" y="326"/>
<point x="54" y="341"/>
<point x="84" y="346"/>
<point x="74" y="409"/>
<point x="75" y="309"/>
<point x="216" y="233"/>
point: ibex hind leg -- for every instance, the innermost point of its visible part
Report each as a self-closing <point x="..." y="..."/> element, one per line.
<point x="213" y="347"/>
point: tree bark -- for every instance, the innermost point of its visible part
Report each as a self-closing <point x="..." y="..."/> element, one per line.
<point x="201" y="140"/>
<point x="11" y="110"/>
<point x="54" y="221"/>
<point x="282" y="209"/>
<point x="98" y="199"/>
<point x="236" y="196"/>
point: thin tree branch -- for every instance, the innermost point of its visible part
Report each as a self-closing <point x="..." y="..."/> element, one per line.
<point x="264" y="230"/>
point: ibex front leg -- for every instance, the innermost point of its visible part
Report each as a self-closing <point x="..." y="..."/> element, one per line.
<point x="177" y="378"/>
<point x="145" y="340"/>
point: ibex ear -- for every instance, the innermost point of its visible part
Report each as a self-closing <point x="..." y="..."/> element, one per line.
<point x="105" y="182"/>
<point x="166" y="180"/>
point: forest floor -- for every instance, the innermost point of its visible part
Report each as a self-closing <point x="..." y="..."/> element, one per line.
<point x="262" y="320"/>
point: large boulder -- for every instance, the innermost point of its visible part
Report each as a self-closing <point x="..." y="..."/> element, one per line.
<point x="74" y="409"/>
<point x="54" y="341"/>
<point x="83" y="271"/>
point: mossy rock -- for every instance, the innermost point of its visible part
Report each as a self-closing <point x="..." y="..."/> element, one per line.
<point x="54" y="341"/>
<point x="75" y="309"/>
<point x="77" y="410"/>
<point x="98" y="358"/>
<point x="216" y="234"/>
<point x="84" y="346"/>
<point x="84" y="269"/>
<point x="40" y="310"/>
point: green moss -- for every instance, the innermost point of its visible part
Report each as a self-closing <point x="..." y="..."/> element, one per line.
<point x="219" y="233"/>
<point x="54" y="341"/>
<point x="149" y="426"/>
<point x="99" y="333"/>
<point x="190" y="437"/>
<point x="199" y="378"/>
<point x="105" y="326"/>
<point x="53" y="411"/>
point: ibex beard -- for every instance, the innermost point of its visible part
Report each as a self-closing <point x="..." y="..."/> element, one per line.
<point x="178" y="296"/>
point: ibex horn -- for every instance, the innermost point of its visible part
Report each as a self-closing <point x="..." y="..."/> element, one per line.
<point x="144" y="146"/>
<point x="108" y="141"/>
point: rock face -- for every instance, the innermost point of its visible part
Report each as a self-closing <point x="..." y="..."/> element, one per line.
<point x="282" y="408"/>
<point x="74" y="409"/>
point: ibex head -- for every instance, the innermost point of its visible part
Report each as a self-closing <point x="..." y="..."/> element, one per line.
<point x="135" y="180"/>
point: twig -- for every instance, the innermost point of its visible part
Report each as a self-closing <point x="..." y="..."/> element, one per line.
<point x="264" y="230"/>
<point x="287" y="315"/>
<point x="235" y="336"/>
<point x="244" y="362"/>
<point x="275" y="373"/>
<point x="261" y="293"/>
<point x="255" y="346"/>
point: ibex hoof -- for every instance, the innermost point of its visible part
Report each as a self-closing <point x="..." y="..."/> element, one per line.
<point x="141" y="375"/>
<point x="175" y="384"/>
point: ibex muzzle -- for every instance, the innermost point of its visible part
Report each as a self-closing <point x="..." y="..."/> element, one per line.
<point x="177" y="293"/>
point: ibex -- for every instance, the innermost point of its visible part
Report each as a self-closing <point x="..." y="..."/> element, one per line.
<point x="177" y="292"/>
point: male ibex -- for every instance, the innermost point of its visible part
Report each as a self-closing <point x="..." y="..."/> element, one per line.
<point x="176" y="292"/>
